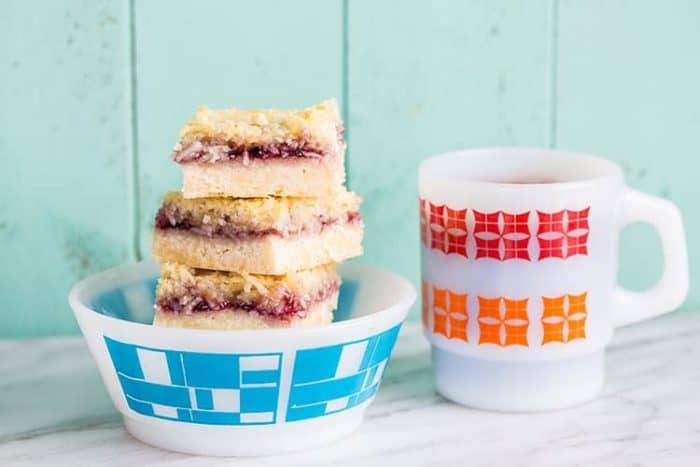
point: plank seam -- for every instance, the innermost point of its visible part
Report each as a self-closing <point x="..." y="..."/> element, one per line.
<point x="346" y="84"/>
<point x="553" y="74"/>
<point x="134" y="191"/>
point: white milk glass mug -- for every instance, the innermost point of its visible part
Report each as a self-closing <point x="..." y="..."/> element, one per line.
<point x="519" y="255"/>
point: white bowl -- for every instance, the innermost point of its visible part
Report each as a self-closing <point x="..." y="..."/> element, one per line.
<point x="247" y="393"/>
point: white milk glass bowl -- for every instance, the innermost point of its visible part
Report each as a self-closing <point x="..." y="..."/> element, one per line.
<point x="240" y="393"/>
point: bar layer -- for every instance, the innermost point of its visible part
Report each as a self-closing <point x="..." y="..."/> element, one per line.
<point x="234" y="301"/>
<point x="265" y="255"/>
<point x="257" y="178"/>
<point x="251" y="153"/>
<point x="258" y="235"/>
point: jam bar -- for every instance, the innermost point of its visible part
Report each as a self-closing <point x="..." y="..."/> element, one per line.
<point x="255" y="153"/>
<point x="197" y="298"/>
<point x="258" y="235"/>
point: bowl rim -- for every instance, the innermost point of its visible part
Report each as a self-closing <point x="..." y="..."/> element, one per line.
<point x="396" y="312"/>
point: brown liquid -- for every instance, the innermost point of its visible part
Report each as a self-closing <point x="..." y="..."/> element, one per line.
<point x="525" y="181"/>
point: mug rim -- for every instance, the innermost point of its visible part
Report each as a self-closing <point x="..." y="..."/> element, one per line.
<point x="604" y="169"/>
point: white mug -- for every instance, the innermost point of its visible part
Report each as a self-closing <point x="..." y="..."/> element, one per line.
<point x="519" y="255"/>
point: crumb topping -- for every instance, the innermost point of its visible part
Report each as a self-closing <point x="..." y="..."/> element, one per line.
<point x="312" y="132"/>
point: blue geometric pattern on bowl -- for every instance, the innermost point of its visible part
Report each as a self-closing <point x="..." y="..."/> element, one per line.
<point x="335" y="378"/>
<point x="244" y="389"/>
<point x="213" y="389"/>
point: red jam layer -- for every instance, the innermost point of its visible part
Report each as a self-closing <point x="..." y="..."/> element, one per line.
<point x="200" y="152"/>
<point x="213" y="151"/>
<point x="171" y="218"/>
<point x="290" y="306"/>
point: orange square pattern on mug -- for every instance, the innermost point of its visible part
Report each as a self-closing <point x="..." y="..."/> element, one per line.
<point x="424" y="302"/>
<point x="503" y="321"/>
<point x="564" y="318"/>
<point x="449" y="312"/>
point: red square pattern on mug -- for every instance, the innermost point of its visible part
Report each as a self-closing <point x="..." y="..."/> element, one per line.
<point x="423" y="222"/>
<point x="501" y="235"/>
<point x="577" y="232"/>
<point x="563" y="234"/>
<point x="448" y="229"/>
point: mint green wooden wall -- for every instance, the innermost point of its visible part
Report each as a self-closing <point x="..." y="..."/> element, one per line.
<point x="92" y="94"/>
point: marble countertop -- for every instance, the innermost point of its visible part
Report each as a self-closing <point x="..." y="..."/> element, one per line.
<point x="54" y="411"/>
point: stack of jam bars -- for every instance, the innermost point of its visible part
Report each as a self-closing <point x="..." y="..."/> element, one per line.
<point x="253" y="239"/>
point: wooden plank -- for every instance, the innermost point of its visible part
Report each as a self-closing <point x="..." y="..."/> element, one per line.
<point x="64" y="212"/>
<point x="221" y="54"/>
<point x="628" y="75"/>
<point x="430" y="77"/>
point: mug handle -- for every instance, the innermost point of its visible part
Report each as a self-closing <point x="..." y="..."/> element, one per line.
<point x="670" y="291"/>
